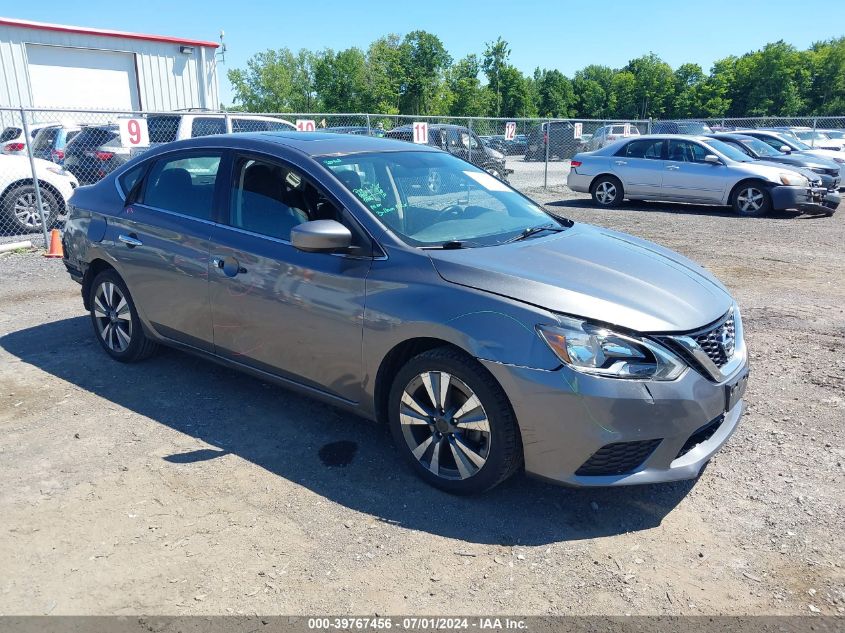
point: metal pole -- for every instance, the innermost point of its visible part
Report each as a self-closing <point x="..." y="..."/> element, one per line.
<point x="35" y="182"/>
<point x="815" y="121"/>
<point x="548" y="138"/>
<point x="228" y="122"/>
<point x="469" y="140"/>
<point x="369" y="129"/>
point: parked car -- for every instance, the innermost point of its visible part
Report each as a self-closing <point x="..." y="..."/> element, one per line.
<point x="697" y="169"/>
<point x="791" y="145"/>
<point x="680" y="127"/>
<point x="608" y="134"/>
<point x="513" y="147"/>
<point x="50" y="142"/>
<point x="18" y="202"/>
<point x="12" y="140"/>
<point x="834" y="134"/>
<point x="166" y="128"/>
<point x="461" y="142"/>
<point x="95" y="152"/>
<point x="560" y="138"/>
<point x="827" y="170"/>
<point x="480" y="351"/>
<point x="818" y="139"/>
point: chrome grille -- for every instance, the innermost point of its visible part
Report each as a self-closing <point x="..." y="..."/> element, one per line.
<point x="719" y="343"/>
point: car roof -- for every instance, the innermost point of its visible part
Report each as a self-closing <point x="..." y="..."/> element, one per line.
<point x="311" y="143"/>
<point x="739" y="136"/>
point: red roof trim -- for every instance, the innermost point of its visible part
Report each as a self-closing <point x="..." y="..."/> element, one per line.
<point x="43" y="26"/>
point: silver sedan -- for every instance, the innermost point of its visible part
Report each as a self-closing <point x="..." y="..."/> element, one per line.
<point x="695" y="169"/>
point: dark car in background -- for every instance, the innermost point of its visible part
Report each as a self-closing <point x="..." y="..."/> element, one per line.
<point x="514" y="147"/>
<point x="680" y="127"/>
<point x="560" y="138"/>
<point x="51" y="141"/>
<point x="359" y="130"/>
<point x="460" y="141"/>
<point x="827" y="170"/>
<point x="95" y="152"/>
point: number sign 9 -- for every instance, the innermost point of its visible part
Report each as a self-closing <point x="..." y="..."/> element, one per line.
<point x="133" y="133"/>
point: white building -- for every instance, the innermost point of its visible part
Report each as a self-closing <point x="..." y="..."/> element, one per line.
<point x="55" y="66"/>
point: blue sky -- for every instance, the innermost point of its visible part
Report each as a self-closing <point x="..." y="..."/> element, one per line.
<point x="553" y="34"/>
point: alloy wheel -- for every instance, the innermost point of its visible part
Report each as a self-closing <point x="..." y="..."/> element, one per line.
<point x="26" y="210"/>
<point x="445" y="425"/>
<point x="112" y="316"/>
<point x="606" y="192"/>
<point x="750" y="200"/>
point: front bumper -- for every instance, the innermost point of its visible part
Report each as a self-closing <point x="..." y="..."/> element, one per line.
<point x="807" y="199"/>
<point x="566" y="418"/>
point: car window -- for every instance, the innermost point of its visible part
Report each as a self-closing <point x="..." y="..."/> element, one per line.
<point x="183" y="184"/>
<point x="70" y="136"/>
<point x="249" y="125"/>
<point x="208" y="126"/>
<point x="686" y="151"/>
<point x="45" y="138"/>
<point x="163" y="129"/>
<point x="129" y="179"/>
<point x="270" y="199"/>
<point x="93" y="137"/>
<point x="10" y="133"/>
<point x="650" y="148"/>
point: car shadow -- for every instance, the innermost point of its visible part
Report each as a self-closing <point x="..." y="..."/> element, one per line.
<point x="646" y="206"/>
<point x="337" y="455"/>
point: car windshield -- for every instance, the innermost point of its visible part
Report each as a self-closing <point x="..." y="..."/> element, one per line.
<point x="433" y="199"/>
<point x="809" y="135"/>
<point x="835" y="134"/>
<point x="793" y="142"/>
<point x="728" y="150"/>
<point x="760" y="148"/>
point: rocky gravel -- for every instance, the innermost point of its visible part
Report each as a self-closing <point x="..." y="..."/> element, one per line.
<point x="179" y="487"/>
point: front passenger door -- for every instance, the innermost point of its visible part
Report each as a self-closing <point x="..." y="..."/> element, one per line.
<point x="277" y="309"/>
<point x="686" y="176"/>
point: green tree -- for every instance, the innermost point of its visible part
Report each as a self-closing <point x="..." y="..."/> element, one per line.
<point x="555" y="96"/>
<point x="827" y="90"/>
<point x="592" y="86"/>
<point x="469" y="98"/>
<point x="276" y="81"/>
<point x="425" y="61"/>
<point x="495" y="59"/>
<point x="516" y="94"/>
<point x="385" y="75"/>
<point x="655" y="85"/>
<point x="341" y="80"/>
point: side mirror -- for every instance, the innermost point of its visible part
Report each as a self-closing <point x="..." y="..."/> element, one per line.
<point x="712" y="159"/>
<point x="320" y="236"/>
<point x="785" y="149"/>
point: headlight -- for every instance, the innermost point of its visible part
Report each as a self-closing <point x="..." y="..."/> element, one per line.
<point x="594" y="349"/>
<point x="59" y="171"/>
<point x="794" y="180"/>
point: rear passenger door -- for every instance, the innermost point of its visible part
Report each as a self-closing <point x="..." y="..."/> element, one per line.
<point x="639" y="165"/>
<point x="161" y="243"/>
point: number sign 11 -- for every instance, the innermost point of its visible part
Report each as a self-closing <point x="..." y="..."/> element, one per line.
<point x="421" y="132"/>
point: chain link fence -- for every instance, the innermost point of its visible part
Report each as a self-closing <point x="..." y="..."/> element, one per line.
<point x="71" y="148"/>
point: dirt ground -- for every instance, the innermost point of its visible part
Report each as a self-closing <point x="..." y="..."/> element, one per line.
<point x="179" y="487"/>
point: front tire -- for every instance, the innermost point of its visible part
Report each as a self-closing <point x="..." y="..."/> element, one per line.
<point x="751" y="199"/>
<point x="115" y="320"/>
<point x="453" y="423"/>
<point x="20" y="207"/>
<point x="607" y="191"/>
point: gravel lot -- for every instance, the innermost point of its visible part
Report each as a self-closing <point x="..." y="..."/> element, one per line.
<point x="179" y="487"/>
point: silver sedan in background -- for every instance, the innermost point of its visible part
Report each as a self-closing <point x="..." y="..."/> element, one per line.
<point x="696" y="169"/>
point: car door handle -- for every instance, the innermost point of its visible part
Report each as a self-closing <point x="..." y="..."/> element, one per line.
<point x="230" y="266"/>
<point x="672" y="167"/>
<point x="130" y="240"/>
<point x="621" y="162"/>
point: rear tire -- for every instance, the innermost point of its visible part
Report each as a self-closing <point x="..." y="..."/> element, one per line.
<point x="751" y="199"/>
<point x="465" y="440"/>
<point x="607" y="191"/>
<point x="115" y="320"/>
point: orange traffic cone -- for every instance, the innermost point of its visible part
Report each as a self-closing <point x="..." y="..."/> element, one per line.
<point x="55" y="249"/>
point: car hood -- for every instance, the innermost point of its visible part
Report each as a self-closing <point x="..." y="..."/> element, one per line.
<point x="596" y="274"/>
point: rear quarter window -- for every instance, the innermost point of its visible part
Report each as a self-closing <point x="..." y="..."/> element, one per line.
<point x="163" y="129"/>
<point x="10" y="133"/>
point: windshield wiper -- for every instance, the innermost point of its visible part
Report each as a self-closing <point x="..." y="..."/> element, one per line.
<point x="533" y="230"/>
<point x="449" y="245"/>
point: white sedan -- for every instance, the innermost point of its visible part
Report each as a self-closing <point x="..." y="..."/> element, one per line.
<point x="18" y="207"/>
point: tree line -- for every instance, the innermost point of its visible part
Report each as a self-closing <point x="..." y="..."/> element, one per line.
<point x="415" y="74"/>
